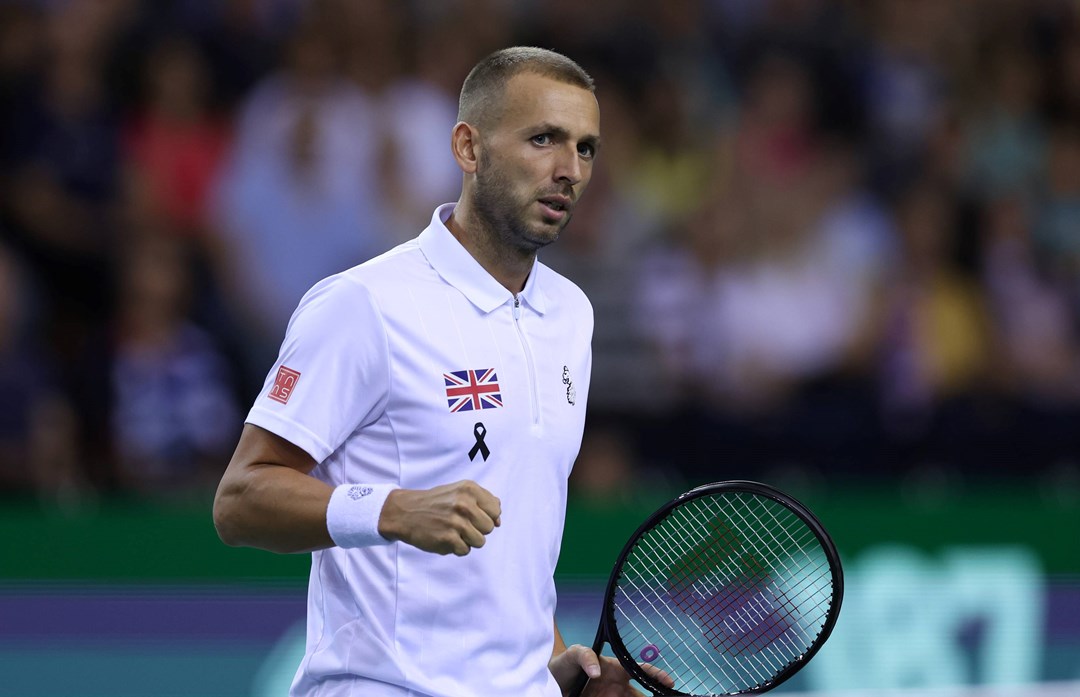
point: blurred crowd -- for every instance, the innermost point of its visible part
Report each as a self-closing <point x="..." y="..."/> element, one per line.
<point x="836" y="237"/>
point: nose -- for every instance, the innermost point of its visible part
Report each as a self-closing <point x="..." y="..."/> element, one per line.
<point x="568" y="166"/>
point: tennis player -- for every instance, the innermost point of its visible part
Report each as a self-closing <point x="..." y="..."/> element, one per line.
<point x="426" y="407"/>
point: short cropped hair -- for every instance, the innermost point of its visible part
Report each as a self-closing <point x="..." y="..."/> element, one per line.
<point x="479" y="102"/>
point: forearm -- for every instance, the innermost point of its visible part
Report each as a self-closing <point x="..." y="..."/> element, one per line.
<point x="273" y="508"/>
<point x="559" y="645"/>
<point x="268" y="499"/>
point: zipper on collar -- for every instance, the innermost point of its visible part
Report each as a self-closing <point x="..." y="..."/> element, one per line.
<point x="528" y="361"/>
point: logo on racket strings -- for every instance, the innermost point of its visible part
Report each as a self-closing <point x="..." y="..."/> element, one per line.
<point x="727" y="589"/>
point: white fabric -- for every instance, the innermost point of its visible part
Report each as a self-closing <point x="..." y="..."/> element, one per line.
<point x="362" y="389"/>
<point x="352" y="516"/>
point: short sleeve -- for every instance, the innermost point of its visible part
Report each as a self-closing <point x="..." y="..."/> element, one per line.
<point x="332" y="373"/>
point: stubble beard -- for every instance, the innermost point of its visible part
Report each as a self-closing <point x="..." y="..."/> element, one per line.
<point x="504" y="217"/>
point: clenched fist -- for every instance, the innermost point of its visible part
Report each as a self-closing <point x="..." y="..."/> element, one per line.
<point x="448" y="519"/>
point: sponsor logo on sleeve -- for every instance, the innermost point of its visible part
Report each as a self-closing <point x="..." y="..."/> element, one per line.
<point x="284" y="384"/>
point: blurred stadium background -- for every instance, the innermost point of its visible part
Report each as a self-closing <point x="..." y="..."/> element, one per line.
<point x="833" y="245"/>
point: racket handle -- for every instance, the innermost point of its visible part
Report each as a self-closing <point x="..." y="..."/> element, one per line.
<point x="579" y="684"/>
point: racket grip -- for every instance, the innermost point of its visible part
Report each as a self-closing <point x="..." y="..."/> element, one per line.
<point x="578" y="686"/>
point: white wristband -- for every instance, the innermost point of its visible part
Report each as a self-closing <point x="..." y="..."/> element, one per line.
<point x="353" y="514"/>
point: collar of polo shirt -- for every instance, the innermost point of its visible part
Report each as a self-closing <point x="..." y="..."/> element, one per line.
<point x="458" y="268"/>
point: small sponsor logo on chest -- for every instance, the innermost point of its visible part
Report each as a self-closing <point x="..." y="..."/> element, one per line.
<point x="571" y="393"/>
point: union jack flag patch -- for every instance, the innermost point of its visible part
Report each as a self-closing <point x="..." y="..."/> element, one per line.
<point x="468" y="390"/>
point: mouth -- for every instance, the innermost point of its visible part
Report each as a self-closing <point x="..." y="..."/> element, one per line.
<point x="556" y="206"/>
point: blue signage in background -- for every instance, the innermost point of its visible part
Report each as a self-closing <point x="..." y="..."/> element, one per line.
<point x="966" y="616"/>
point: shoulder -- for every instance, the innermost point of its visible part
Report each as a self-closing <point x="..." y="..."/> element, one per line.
<point x="364" y="288"/>
<point x="389" y="271"/>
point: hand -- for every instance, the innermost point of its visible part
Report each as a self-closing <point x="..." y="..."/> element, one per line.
<point x="448" y="519"/>
<point x="607" y="677"/>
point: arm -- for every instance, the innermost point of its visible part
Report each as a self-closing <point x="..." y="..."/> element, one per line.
<point x="267" y="499"/>
<point x="560" y="645"/>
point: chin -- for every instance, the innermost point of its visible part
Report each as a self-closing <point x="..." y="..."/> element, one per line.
<point x="547" y="235"/>
<point x="539" y="234"/>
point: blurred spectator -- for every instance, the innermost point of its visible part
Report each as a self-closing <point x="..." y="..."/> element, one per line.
<point x="1006" y="136"/>
<point x="765" y="298"/>
<point x="174" y="143"/>
<point x="671" y="164"/>
<point x="63" y="159"/>
<point x="300" y="197"/>
<point x="1064" y="73"/>
<point x="21" y="48"/>
<point x="777" y="141"/>
<point x="1033" y="324"/>
<point x="369" y="39"/>
<point x="241" y="40"/>
<point x="172" y="407"/>
<point x="1057" y="225"/>
<point x="765" y="321"/>
<point x="63" y="154"/>
<point x="906" y="80"/>
<point x="679" y="294"/>
<point x="937" y="328"/>
<point x="419" y="111"/>
<point x="38" y="437"/>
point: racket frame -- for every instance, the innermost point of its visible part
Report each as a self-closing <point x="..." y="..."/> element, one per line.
<point x="607" y="628"/>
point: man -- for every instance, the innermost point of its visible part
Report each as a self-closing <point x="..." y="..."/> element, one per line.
<point x="419" y="426"/>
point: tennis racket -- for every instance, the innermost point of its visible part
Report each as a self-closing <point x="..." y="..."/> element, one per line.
<point x="729" y="589"/>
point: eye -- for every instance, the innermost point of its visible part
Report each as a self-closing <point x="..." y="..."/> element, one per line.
<point x="586" y="150"/>
<point x="542" y="139"/>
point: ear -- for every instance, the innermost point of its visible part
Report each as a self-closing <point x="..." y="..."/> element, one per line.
<point x="465" y="144"/>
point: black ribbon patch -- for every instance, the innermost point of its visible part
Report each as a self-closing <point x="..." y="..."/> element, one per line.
<point x="479" y="430"/>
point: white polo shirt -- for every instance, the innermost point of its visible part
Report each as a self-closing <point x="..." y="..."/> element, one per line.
<point x="408" y="370"/>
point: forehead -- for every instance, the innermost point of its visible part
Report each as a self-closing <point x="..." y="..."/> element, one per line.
<point x="532" y="99"/>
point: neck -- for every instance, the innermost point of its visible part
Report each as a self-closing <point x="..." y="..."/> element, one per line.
<point x="508" y="265"/>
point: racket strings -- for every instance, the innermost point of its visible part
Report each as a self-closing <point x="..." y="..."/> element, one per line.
<point x="729" y="672"/>
<point x="807" y="577"/>
<point x="691" y="676"/>
<point x="745" y="589"/>
<point x="707" y="616"/>
<point x="752" y="580"/>
<point x="655" y="612"/>
<point x="756" y="581"/>
<point x="725" y="667"/>
<point x="730" y="589"/>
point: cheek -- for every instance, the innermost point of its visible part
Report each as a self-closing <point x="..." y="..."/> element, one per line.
<point x="521" y="177"/>
<point x="531" y="170"/>
<point x="509" y="172"/>
<point x="586" y="177"/>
